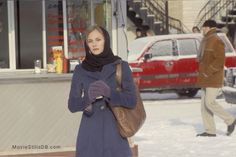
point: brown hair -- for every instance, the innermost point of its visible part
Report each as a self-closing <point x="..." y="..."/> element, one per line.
<point x="92" y="28"/>
<point x="195" y="27"/>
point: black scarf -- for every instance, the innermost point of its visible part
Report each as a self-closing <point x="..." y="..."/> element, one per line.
<point x="96" y="62"/>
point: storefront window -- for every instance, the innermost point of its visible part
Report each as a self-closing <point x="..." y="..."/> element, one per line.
<point x="77" y="20"/>
<point x="29" y="28"/>
<point x="4" y="42"/>
<point x="102" y="13"/>
<point x="54" y="26"/>
<point x="80" y="15"/>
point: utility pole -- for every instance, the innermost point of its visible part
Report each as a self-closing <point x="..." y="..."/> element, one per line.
<point x="167" y="16"/>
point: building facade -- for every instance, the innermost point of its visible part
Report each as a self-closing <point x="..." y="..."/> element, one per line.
<point x="186" y="11"/>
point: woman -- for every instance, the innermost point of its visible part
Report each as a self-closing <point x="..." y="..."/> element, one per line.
<point x="195" y="29"/>
<point x="93" y="88"/>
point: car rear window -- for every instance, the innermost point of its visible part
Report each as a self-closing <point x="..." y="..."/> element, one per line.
<point x="187" y="46"/>
<point x="228" y="47"/>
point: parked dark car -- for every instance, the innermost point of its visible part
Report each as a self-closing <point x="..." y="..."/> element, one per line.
<point x="169" y="62"/>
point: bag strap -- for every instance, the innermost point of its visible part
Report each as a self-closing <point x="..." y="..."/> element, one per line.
<point x="118" y="76"/>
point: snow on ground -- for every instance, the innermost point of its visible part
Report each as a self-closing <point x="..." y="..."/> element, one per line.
<point x="171" y="127"/>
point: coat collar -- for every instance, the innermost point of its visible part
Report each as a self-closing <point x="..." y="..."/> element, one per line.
<point x="210" y="33"/>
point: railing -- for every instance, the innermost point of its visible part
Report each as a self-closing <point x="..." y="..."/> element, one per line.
<point x="156" y="8"/>
<point x="214" y="9"/>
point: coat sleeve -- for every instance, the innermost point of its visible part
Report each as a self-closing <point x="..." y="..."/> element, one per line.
<point x="127" y="97"/>
<point x="219" y="55"/>
<point x="78" y="100"/>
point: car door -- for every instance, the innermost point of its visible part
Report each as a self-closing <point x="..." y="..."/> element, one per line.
<point x="187" y="61"/>
<point x="156" y="69"/>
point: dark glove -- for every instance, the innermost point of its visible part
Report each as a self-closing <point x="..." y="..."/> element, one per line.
<point x="98" y="88"/>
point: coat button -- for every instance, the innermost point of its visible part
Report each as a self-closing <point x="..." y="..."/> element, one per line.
<point x="102" y="107"/>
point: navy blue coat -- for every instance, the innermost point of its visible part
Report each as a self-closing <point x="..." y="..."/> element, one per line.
<point x="98" y="135"/>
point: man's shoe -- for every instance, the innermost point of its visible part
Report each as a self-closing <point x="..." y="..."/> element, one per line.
<point x="230" y="128"/>
<point x="205" y="134"/>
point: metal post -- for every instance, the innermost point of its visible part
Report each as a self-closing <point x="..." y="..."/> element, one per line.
<point x="12" y="35"/>
<point x="167" y="16"/>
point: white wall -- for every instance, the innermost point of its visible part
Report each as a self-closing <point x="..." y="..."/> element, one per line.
<point x="36" y="114"/>
<point x="190" y="11"/>
<point x="131" y="28"/>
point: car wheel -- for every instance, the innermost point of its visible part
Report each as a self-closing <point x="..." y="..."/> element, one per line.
<point x="191" y="92"/>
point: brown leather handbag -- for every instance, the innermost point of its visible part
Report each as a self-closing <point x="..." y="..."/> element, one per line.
<point x="129" y="121"/>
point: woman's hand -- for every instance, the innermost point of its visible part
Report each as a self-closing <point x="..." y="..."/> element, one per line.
<point x="98" y="88"/>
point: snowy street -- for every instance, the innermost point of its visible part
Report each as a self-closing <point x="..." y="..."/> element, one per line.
<point x="171" y="127"/>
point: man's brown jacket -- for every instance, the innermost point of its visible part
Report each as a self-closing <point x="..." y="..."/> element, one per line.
<point x="211" y="61"/>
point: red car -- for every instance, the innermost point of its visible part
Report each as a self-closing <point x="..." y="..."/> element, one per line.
<point x="168" y="62"/>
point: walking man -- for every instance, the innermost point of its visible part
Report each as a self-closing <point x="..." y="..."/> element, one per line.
<point x="210" y="79"/>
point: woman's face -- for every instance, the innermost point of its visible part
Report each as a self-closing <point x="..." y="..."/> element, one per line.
<point x="96" y="42"/>
<point x="195" y="30"/>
